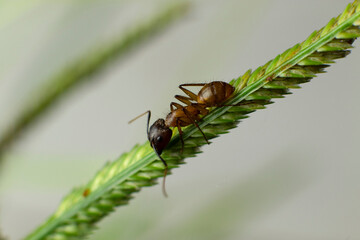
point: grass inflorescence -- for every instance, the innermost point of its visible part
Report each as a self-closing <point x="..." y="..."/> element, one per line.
<point x="115" y="183"/>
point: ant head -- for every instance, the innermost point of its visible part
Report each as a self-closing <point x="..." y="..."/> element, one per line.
<point x="159" y="135"/>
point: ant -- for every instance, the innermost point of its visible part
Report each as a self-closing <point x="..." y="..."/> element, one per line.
<point x="212" y="94"/>
<point x="86" y="192"/>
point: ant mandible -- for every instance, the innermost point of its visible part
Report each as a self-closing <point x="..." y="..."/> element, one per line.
<point x="212" y="94"/>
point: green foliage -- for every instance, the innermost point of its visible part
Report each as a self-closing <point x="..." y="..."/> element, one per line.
<point x="113" y="185"/>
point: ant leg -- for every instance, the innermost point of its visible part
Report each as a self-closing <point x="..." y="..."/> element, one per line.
<point x="195" y="123"/>
<point x="181" y="138"/>
<point x="186" y="100"/>
<point x="192" y="95"/>
<point x="176" y="105"/>
<point x="178" y="124"/>
<point x="201" y="108"/>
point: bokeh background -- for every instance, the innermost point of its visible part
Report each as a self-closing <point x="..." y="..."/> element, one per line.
<point x="288" y="172"/>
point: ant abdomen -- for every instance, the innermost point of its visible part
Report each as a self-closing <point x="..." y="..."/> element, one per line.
<point x="215" y="93"/>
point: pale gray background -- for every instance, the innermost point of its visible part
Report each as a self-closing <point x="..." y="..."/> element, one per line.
<point x="288" y="172"/>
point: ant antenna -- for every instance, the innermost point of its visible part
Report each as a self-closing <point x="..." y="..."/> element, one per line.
<point x="132" y="120"/>
<point x="148" y="121"/>
<point x="165" y="172"/>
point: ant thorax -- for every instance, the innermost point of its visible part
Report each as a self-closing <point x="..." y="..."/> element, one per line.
<point x="170" y="119"/>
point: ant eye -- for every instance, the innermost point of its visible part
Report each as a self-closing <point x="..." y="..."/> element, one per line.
<point x="159" y="139"/>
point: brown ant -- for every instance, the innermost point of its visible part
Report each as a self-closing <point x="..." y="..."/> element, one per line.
<point x="212" y="94"/>
<point x="86" y="192"/>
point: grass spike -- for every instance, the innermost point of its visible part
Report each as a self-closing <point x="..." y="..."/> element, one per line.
<point x="254" y="90"/>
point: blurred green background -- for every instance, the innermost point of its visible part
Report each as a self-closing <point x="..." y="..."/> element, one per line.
<point x="288" y="172"/>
